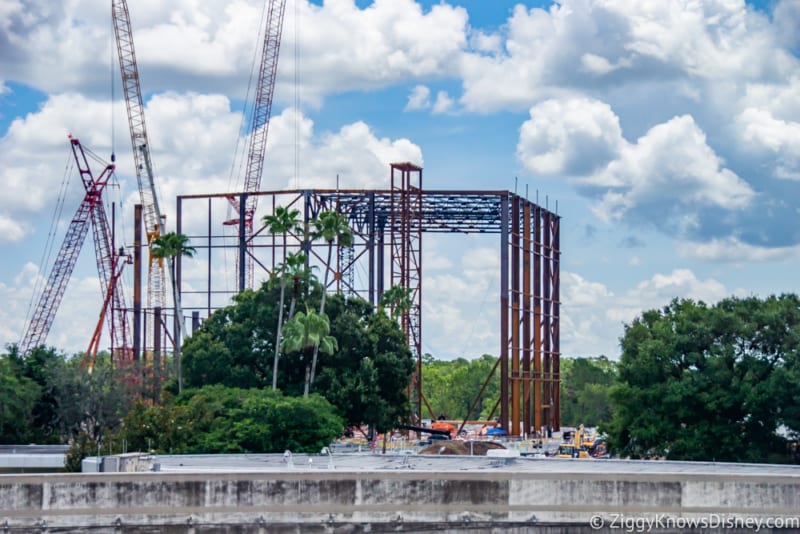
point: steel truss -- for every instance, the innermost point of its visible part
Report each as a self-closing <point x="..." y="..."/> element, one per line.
<point x="396" y="219"/>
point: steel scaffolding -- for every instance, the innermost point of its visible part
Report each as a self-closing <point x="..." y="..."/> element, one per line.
<point x="396" y="219"/>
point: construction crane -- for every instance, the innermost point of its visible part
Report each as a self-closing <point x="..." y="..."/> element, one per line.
<point x="91" y="212"/>
<point x="151" y="213"/>
<point x="259" y="127"/>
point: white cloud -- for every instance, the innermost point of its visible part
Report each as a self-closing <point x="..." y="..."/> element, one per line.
<point x="786" y="17"/>
<point x="669" y="172"/>
<point x="443" y="104"/>
<point x="762" y="131"/>
<point x="420" y="98"/>
<point x="355" y="153"/>
<point x="569" y="136"/>
<point x="209" y="47"/>
<point x="576" y="42"/>
<point x="593" y="316"/>
<point x="733" y="250"/>
<point x="11" y="230"/>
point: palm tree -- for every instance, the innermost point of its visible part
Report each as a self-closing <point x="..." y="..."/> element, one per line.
<point x="309" y="332"/>
<point x="296" y="269"/>
<point x="283" y="221"/>
<point x="397" y="298"/>
<point x="170" y="246"/>
<point x="330" y="226"/>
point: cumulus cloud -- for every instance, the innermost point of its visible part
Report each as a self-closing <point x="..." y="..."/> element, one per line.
<point x="443" y="104"/>
<point x="667" y="172"/>
<point x="576" y="44"/>
<point x="420" y="98"/>
<point x="733" y="250"/>
<point x="594" y="316"/>
<point x="10" y="229"/>
<point x="570" y="136"/>
<point x="780" y="138"/>
<point x="209" y="47"/>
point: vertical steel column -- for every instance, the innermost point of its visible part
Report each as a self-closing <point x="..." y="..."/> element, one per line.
<point x="405" y="228"/>
<point x="504" y="312"/>
<point x="371" y="248"/>
<point x="156" y="361"/>
<point x="538" y="420"/>
<point x="242" y="242"/>
<point x="208" y="267"/>
<point x="547" y="348"/>
<point x="515" y="316"/>
<point x="137" y="282"/>
<point x="555" y="322"/>
<point x="526" y="319"/>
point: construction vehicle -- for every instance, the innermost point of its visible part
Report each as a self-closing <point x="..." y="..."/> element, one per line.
<point x="573" y="445"/>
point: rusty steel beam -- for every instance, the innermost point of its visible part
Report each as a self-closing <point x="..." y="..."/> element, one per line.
<point x="396" y="219"/>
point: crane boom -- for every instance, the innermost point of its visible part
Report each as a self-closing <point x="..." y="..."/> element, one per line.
<point x="90" y="212"/>
<point x="259" y="124"/>
<point x="151" y="213"/>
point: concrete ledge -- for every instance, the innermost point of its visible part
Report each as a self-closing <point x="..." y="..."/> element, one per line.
<point x="505" y="499"/>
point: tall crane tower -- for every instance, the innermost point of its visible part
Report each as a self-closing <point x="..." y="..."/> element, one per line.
<point x="259" y="127"/>
<point x="151" y="213"/>
<point x="91" y="212"/>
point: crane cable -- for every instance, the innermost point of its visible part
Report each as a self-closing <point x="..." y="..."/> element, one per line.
<point x="47" y="253"/>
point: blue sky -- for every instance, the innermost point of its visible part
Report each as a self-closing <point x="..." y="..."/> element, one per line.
<point x="667" y="132"/>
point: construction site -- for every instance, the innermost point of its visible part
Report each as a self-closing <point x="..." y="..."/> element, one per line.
<point x="388" y="226"/>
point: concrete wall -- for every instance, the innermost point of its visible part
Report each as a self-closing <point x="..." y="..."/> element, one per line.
<point x="331" y="501"/>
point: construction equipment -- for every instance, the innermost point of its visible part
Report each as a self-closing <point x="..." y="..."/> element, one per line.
<point x="258" y="128"/>
<point x="573" y="446"/>
<point x="91" y="212"/>
<point x="151" y="213"/>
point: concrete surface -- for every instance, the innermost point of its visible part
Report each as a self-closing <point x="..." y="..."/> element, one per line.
<point x="364" y="492"/>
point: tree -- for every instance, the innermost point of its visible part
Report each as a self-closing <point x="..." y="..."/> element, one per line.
<point x="396" y="298"/>
<point x="368" y="377"/>
<point x="308" y="332"/>
<point x="708" y="383"/>
<point x="218" y="419"/>
<point x="284" y="221"/>
<point x="234" y="345"/>
<point x="302" y="277"/>
<point x="171" y="246"/>
<point x="586" y="385"/>
<point x="18" y="397"/>
<point x="452" y="387"/>
<point x="330" y="226"/>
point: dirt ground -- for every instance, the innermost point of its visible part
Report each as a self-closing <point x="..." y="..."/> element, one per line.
<point x="456" y="447"/>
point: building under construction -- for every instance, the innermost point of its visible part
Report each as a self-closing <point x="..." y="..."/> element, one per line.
<point x="388" y="228"/>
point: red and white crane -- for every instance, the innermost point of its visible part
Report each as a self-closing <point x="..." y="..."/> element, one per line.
<point x="151" y="213"/>
<point x="259" y="128"/>
<point x="91" y="212"/>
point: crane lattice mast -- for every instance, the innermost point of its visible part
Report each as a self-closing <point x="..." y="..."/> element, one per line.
<point x="91" y="212"/>
<point x="259" y="124"/>
<point x="151" y="213"/>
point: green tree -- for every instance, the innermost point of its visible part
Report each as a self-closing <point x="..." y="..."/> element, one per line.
<point x="18" y="398"/>
<point x="308" y="332"/>
<point x="367" y="378"/>
<point x="452" y="387"/>
<point x="302" y="276"/>
<point x="217" y="419"/>
<point x="707" y="383"/>
<point x="170" y="246"/>
<point x="397" y="299"/>
<point x="586" y="385"/>
<point x="284" y="221"/>
<point x="330" y="226"/>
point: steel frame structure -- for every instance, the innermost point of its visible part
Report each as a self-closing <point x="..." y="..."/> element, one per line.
<point x="396" y="219"/>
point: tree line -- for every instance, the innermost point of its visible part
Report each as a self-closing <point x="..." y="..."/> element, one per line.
<point x="692" y="382"/>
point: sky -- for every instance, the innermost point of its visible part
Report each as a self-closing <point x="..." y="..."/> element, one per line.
<point x="666" y="134"/>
